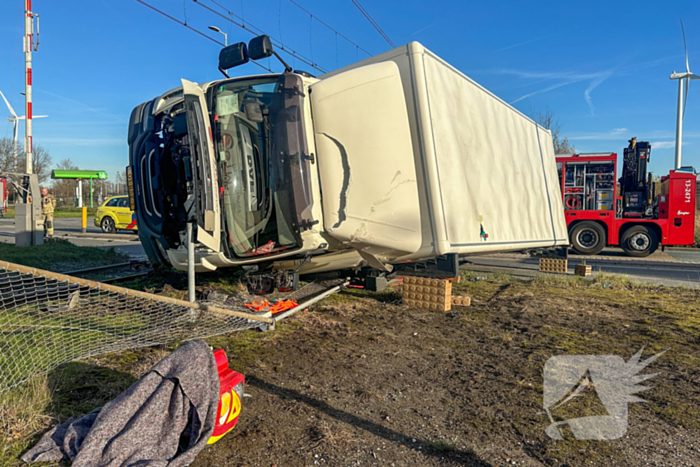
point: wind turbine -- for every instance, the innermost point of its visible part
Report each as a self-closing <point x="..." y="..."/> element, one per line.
<point x="683" y="78"/>
<point x="15" y="124"/>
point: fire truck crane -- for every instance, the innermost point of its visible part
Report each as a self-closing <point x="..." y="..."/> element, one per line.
<point x="634" y="212"/>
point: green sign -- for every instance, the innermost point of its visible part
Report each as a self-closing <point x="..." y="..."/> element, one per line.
<point x="78" y="174"/>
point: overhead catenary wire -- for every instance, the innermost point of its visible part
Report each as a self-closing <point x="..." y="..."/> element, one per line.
<point x="257" y="31"/>
<point x="371" y="20"/>
<point x="338" y="33"/>
<point x="193" y="29"/>
<point x="248" y="26"/>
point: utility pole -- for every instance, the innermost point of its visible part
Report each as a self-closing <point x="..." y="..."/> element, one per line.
<point x="679" y="124"/>
<point x="28" y="45"/>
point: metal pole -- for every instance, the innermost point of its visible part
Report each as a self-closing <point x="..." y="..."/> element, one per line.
<point x="310" y="302"/>
<point x="91" y="194"/>
<point x="28" y="32"/>
<point x="190" y="264"/>
<point x="679" y="124"/>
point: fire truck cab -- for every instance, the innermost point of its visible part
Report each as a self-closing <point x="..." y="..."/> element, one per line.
<point x="633" y="212"/>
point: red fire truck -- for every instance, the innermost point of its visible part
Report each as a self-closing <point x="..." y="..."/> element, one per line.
<point x="634" y="212"/>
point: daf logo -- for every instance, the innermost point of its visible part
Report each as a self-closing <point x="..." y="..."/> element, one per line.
<point x="682" y="213"/>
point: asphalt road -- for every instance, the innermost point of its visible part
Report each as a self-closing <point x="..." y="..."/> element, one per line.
<point x="691" y="255"/>
<point x="126" y="242"/>
<point x="676" y="270"/>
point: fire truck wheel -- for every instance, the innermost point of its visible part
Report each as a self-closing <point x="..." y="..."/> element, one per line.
<point x="588" y="238"/>
<point x="639" y="241"/>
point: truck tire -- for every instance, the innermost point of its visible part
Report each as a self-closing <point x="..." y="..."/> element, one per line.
<point x="588" y="238"/>
<point x="639" y="241"/>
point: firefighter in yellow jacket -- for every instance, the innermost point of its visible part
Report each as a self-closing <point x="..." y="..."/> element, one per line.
<point x="48" y="205"/>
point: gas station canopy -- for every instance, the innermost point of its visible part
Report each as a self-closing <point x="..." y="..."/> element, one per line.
<point x="79" y="174"/>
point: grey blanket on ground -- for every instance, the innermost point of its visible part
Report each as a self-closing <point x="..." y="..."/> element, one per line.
<point x="164" y="419"/>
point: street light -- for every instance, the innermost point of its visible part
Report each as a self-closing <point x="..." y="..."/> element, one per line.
<point x="215" y="29"/>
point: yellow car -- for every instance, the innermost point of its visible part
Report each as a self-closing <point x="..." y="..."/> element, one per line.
<point x="114" y="213"/>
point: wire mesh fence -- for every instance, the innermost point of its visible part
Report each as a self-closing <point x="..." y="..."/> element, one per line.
<point x="47" y="319"/>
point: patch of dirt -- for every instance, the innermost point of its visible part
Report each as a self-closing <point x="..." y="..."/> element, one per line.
<point x="361" y="381"/>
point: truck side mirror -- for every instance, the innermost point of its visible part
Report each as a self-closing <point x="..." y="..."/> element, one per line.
<point x="260" y="47"/>
<point x="233" y="56"/>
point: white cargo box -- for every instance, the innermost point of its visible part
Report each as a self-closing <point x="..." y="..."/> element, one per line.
<point x="477" y="176"/>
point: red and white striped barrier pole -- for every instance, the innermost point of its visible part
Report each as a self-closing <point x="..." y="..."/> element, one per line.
<point x="28" y="45"/>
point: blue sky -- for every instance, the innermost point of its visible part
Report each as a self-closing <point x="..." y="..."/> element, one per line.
<point x="602" y="66"/>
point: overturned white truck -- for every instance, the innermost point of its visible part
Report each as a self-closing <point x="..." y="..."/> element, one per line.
<point x="396" y="163"/>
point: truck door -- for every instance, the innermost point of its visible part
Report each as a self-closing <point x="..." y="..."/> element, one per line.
<point x="366" y="161"/>
<point x="206" y="185"/>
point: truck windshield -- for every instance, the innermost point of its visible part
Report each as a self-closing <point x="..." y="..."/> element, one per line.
<point x="259" y="218"/>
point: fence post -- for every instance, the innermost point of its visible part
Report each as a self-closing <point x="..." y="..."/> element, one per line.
<point x="190" y="264"/>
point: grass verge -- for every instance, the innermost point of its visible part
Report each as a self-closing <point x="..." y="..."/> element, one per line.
<point x="59" y="213"/>
<point x="60" y="255"/>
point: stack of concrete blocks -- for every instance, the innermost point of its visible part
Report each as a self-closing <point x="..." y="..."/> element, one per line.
<point x="461" y="301"/>
<point x="427" y="293"/>
<point x="582" y="270"/>
<point x="431" y="294"/>
<point x="554" y="265"/>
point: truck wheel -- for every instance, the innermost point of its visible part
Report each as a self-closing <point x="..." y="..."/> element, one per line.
<point x="639" y="241"/>
<point x="588" y="238"/>
<point x="107" y="225"/>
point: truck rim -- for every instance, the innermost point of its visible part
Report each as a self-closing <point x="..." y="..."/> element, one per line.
<point x="587" y="238"/>
<point x="639" y="241"/>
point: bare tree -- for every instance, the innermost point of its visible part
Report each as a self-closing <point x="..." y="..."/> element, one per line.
<point x="121" y="183"/>
<point x="548" y="120"/>
<point x="63" y="189"/>
<point x="41" y="163"/>
<point x="7" y="157"/>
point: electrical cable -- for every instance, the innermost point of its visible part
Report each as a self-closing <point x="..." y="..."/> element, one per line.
<point x="311" y="39"/>
<point x="373" y="22"/>
<point x="329" y="27"/>
<point x="193" y="29"/>
<point x="248" y="26"/>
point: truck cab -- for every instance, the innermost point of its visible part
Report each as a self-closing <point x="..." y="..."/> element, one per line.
<point x="208" y="154"/>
